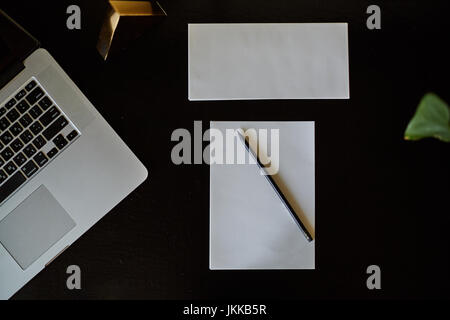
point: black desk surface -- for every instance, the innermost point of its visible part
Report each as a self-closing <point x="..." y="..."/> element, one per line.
<point x="379" y="199"/>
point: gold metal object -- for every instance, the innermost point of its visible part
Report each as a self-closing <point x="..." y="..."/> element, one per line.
<point x="124" y="22"/>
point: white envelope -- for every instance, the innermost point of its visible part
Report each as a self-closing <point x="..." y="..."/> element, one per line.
<point x="249" y="226"/>
<point x="268" y="61"/>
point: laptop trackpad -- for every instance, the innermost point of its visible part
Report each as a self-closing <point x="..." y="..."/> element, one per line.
<point x="34" y="226"/>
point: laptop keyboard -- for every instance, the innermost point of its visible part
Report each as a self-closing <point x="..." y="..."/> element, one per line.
<point x="33" y="131"/>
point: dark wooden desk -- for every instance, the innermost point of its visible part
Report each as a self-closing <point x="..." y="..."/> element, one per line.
<point x="390" y="196"/>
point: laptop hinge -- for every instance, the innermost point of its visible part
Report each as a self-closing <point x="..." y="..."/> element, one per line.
<point x="10" y="72"/>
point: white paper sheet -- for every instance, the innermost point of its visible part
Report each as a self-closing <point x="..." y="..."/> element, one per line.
<point x="249" y="226"/>
<point x="268" y="61"/>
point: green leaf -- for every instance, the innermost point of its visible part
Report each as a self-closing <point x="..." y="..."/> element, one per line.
<point x="432" y="119"/>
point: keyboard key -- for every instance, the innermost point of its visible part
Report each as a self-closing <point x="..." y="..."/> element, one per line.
<point x="26" y="136"/>
<point x="16" y="129"/>
<point x="10" y="103"/>
<point x="29" y="168"/>
<point x="25" y="120"/>
<point x="22" y="93"/>
<point x="36" y="127"/>
<point x="60" y="141"/>
<point x="4" y="123"/>
<point x="29" y="150"/>
<point x="2" y="111"/>
<point x="49" y="116"/>
<point x="35" y="95"/>
<point x="23" y="106"/>
<point x="35" y="112"/>
<point x="11" y="185"/>
<point x="10" y="168"/>
<point x="30" y="85"/>
<point x="39" y="142"/>
<point x="72" y="135"/>
<point x="13" y="115"/>
<point x="52" y="153"/>
<point x="20" y="159"/>
<point x="45" y="103"/>
<point x="40" y="159"/>
<point x="3" y="176"/>
<point x="2" y="162"/>
<point x="1" y="147"/>
<point x="55" y="127"/>
<point x="6" y="137"/>
<point x="7" y="154"/>
<point x="16" y="145"/>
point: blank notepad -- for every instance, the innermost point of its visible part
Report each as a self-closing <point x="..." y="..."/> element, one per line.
<point x="268" y="61"/>
<point x="249" y="226"/>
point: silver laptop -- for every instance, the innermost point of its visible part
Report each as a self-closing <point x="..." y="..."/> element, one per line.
<point x="62" y="167"/>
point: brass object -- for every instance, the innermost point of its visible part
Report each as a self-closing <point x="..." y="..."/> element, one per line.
<point x="124" y="22"/>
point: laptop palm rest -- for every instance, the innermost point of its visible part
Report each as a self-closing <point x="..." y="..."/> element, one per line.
<point x="34" y="226"/>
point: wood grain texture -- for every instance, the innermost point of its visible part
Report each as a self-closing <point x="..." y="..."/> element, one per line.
<point x="369" y="182"/>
